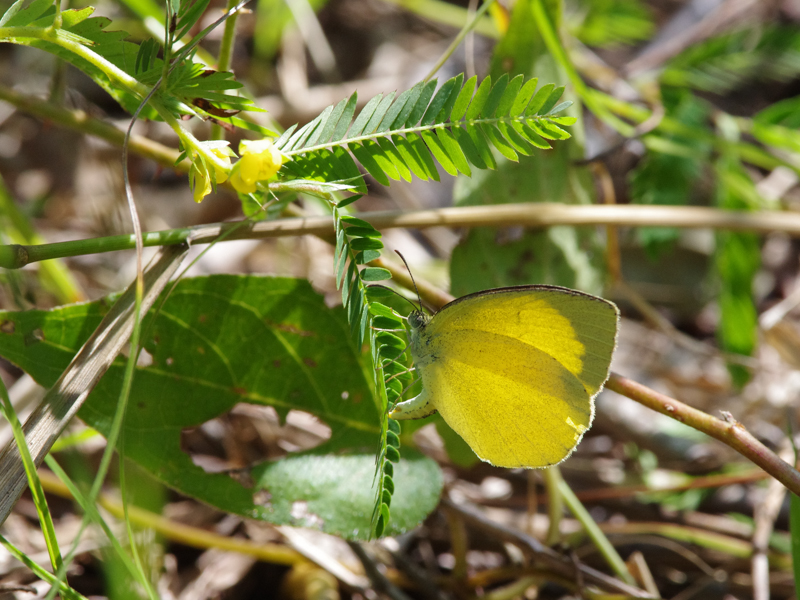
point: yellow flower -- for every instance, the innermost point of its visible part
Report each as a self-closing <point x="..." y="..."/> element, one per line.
<point x="199" y="175"/>
<point x="260" y="161"/>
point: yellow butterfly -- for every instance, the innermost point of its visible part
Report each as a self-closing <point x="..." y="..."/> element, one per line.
<point x="514" y="371"/>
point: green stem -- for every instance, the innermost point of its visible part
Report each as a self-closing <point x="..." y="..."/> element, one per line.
<point x="470" y="25"/>
<point x="556" y="49"/>
<point x="79" y="120"/>
<point x="604" y="546"/>
<point x="55" y="276"/>
<point x="447" y="14"/>
<point x="226" y="56"/>
<point x="19" y="35"/>
<point x="57" y="19"/>
<point x="535" y="215"/>
<point x="555" y="505"/>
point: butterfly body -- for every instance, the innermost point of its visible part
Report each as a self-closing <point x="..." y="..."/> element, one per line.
<point x="514" y="371"/>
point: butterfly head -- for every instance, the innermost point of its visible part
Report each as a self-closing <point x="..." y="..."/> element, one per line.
<point x="418" y="320"/>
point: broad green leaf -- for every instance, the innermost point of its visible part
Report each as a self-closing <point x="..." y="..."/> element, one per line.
<point x="221" y="340"/>
<point x="323" y="486"/>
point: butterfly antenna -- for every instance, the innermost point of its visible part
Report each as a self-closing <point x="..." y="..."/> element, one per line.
<point x="378" y="285"/>
<point x="416" y="289"/>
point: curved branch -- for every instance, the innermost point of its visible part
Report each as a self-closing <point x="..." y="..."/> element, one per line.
<point x="727" y="430"/>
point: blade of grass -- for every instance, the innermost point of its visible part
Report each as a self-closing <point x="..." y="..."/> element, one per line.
<point x="45" y="518"/>
<point x="90" y="509"/>
<point x="41" y="573"/>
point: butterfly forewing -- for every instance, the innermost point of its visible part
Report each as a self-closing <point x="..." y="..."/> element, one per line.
<point x="576" y="329"/>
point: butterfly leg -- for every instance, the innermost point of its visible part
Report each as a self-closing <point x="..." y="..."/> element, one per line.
<point x="416" y="408"/>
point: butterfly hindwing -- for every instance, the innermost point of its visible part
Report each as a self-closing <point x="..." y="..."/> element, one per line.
<point x="515" y="405"/>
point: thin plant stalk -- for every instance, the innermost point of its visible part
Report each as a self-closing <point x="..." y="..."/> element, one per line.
<point x="536" y="215"/>
<point x="225" y="57"/>
<point x="472" y="21"/>
<point x="555" y="505"/>
<point x="599" y="539"/>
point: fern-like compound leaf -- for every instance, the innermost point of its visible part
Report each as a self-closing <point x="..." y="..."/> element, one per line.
<point x="457" y="127"/>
